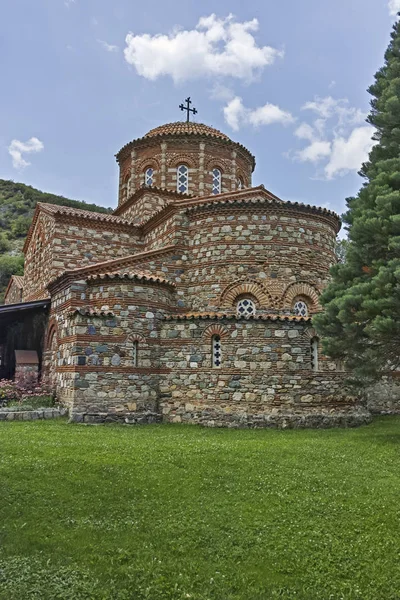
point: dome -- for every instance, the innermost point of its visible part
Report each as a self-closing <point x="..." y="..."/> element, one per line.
<point x="185" y="128"/>
<point x="209" y="161"/>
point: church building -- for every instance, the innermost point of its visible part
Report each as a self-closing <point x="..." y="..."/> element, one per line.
<point x="192" y="302"/>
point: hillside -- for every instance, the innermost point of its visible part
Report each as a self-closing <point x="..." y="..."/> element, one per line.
<point x="17" y="204"/>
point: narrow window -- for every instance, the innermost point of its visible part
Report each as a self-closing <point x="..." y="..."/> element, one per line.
<point x="182" y="179"/>
<point x="216" y="185"/>
<point x="300" y="309"/>
<point x="239" y="183"/>
<point x="314" y="353"/>
<point x="216" y="351"/>
<point x="149" y="177"/>
<point x="245" y="308"/>
<point x="135" y="352"/>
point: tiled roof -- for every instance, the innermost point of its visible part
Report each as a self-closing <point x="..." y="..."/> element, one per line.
<point x="55" y="209"/>
<point x="181" y="128"/>
<point x="184" y="128"/>
<point x="78" y="213"/>
<point x="138" y="276"/>
<point x="18" y="280"/>
<point x="219" y="315"/>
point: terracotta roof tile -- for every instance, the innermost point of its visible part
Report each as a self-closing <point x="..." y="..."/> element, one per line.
<point x="55" y="209"/>
<point x="138" y="276"/>
<point x="184" y="128"/>
<point x="219" y="315"/>
<point x="18" y="280"/>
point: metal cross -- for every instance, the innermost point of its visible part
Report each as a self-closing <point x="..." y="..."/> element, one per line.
<point x="187" y="108"/>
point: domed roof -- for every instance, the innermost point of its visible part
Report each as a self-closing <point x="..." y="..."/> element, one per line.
<point x="184" y="128"/>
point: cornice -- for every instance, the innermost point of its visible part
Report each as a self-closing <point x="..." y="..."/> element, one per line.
<point x="82" y="273"/>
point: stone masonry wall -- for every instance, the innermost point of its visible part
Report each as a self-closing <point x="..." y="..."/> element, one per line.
<point x="14" y="294"/>
<point x="63" y="245"/>
<point x="265" y="377"/>
<point x="270" y="245"/>
<point x="96" y="371"/>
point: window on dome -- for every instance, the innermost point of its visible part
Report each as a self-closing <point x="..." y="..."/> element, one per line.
<point x="182" y="179"/>
<point x="149" y="177"/>
<point x="216" y="354"/>
<point x="239" y="183"/>
<point x="216" y="184"/>
<point x="300" y="308"/>
<point x="314" y="353"/>
<point x="246" y="308"/>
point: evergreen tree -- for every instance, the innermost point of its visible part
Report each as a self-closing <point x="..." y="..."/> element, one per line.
<point x="361" y="320"/>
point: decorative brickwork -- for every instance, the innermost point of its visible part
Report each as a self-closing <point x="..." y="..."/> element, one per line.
<point x="181" y="306"/>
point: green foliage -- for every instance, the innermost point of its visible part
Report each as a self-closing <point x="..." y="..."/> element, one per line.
<point x="176" y="512"/>
<point x="4" y="243"/>
<point x="9" y="265"/>
<point x="361" y="321"/>
<point x="17" y="205"/>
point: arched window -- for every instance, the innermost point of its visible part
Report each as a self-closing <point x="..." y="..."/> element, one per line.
<point x="135" y="353"/>
<point x="300" y="308"/>
<point x="239" y="183"/>
<point x="216" y="183"/>
<point x="245" y="307"/>
<point x="314" y="353"/>
<point x="216" y="351"/>
<point x="149" y="177"/>
<point x="182" y="179"/>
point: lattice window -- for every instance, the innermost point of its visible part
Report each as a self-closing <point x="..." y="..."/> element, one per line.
<point x="182" y="179"/>
<point x="314" y="353"/>
<point x="300" y="308"/>
<point x="216" y="184"/>
<point x="239" y="183"/>
<point x="149" y="177"/>
<point x="245" y="308"/>
<point x="216" y="351"/>
<point x="135" y="354"/>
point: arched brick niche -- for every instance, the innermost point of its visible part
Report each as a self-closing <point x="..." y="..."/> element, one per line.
<point x="241" y="289"/>
<point x="198" y="147"/>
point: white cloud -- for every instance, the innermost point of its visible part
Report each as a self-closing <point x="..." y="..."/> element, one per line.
<point x="349" y="154"/>
<point x="216" y="47"/>
<point x="394" y="7"/>
<point x="305" y="132"/>
<point x="108" y="47"/>
<point x="335" y="137"/>
<point x="68" y="3"/>
<point x="16" y="149"/>
<point x="236" y="114"/>
<point x="314" y="152"/>
<point x="221" y="92"/>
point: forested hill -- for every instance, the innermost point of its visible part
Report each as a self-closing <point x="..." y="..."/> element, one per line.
<point x="17" y="205"/>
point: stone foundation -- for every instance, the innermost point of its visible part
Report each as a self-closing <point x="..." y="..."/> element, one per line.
<point x="383" y="398"/>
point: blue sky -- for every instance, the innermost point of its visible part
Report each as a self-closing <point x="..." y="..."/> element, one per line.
<point x="287" y="79"/>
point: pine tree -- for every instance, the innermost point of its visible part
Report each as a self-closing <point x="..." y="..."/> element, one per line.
<point x="361" y="319"/>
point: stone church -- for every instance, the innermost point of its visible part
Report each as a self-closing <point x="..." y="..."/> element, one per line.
<point x="192" y="302"/>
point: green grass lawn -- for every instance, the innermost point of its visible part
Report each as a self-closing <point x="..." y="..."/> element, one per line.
<point x="176" y="512"/>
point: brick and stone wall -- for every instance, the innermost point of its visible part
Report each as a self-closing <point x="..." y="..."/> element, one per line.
<point x="201" y="154"/>
<point x="14" y="291"/>
<point x="273" y="247"/>
<point x="60" y="244"/>
<point x="265" y="378"/>
<point x="95" y="362"/>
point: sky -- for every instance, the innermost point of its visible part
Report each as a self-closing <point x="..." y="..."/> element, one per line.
<point x="288" y="79"/>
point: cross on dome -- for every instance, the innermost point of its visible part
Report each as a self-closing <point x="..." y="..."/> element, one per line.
<point x="188" y="109"/>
